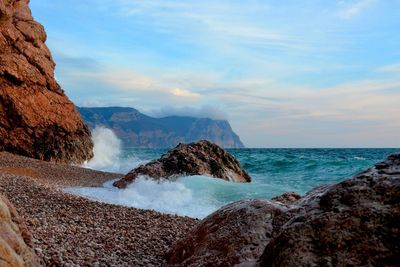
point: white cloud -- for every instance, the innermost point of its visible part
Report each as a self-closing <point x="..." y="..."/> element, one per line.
<point x="132" y="82"/>
<point x="184" y="93"/>
<point x="205" y="111"/>
<point x="214" y="24"/>
<point x="127" y="80"/>
<point x="350" y="9"/>
<point x="390" y="69"/>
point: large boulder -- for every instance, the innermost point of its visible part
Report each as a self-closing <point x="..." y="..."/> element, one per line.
<point x="234" y="235"/>
<point x="36" y="118"/>
<point x="15" y="238"/>
<point x="352" y="223"/>
<point x="200" y="158"/>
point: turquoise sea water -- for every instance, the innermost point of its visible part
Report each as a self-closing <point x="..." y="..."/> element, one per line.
<point x="274" y="171"/>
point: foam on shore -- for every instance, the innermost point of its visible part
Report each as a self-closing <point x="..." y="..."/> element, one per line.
<point x="163" y="196"/>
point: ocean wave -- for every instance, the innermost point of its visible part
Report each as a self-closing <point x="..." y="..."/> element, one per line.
<point x="108" y="154"/>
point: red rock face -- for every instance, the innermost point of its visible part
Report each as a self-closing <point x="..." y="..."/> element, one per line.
<point x="36" y="118"/>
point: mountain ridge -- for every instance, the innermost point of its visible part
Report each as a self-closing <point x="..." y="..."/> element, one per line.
<point x="136" y="129"/>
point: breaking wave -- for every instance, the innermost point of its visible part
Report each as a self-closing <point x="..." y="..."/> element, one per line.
<point x="164" y="196"/>
<point x="108" y="155"/>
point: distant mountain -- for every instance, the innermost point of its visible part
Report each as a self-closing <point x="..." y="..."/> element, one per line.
<point x="136" y="129"/>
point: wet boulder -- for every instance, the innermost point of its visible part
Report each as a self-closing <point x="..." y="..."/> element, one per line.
<point x="200" y="158"/>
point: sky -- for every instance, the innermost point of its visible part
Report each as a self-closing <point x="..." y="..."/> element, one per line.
<point x="310" y="73"/>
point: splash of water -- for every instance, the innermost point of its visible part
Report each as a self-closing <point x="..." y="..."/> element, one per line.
<point x="108" y="155"/>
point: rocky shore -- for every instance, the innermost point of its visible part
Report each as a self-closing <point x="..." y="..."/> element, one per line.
<point x="351" y="223"/>
<point x="69" y="230"/>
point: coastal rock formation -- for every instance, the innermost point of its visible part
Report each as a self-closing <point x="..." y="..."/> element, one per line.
<point x="14" y="238"/>
<point x="201" y="158"/>
<point x="136" y="129"/>
<point x="36" y="118"/>
<point x="352" y="223"/>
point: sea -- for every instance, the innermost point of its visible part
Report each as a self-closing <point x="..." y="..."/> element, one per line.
<point x="274" y="171"/>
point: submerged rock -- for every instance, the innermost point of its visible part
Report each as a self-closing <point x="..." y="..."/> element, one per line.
<point x="200" y="158"/>
<point x="352" y="223"/>
<point x="36" y="117"/>
<point x="14" y="238"/>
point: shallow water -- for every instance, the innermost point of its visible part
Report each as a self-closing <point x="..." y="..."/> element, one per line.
<point x="274" y="171"/>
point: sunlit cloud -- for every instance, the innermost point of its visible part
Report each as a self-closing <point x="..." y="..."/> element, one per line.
<point x="184" y="93"/>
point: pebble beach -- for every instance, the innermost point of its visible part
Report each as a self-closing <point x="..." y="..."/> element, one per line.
<point x="69" y="230"/>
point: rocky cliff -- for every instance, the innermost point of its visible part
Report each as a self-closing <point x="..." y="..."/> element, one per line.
<point x="36" y="118"/>
<point x="138" y="130"/>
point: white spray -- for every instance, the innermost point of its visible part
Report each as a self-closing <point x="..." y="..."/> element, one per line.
<point x="108" y="154"/>
<point x="165" y="196"/>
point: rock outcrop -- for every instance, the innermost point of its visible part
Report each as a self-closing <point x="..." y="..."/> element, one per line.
<point x="14" y="238"/>
<point x="136" y="129"/>
<point x="201" y="158"/>
<point x="352" y="223"/>
<point x="36" y="118"/>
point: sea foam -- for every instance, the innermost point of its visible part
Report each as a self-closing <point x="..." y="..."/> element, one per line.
<point x="163" y="196"/>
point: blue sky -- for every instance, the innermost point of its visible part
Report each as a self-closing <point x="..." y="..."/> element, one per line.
<point x="312" y="73"/>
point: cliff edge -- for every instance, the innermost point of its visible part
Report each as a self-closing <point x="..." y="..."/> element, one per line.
<point x="136" y="129"/>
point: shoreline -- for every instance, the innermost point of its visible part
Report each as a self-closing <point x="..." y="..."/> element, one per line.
<point x="53" y="174"/>
<point x="72" y="230"/>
